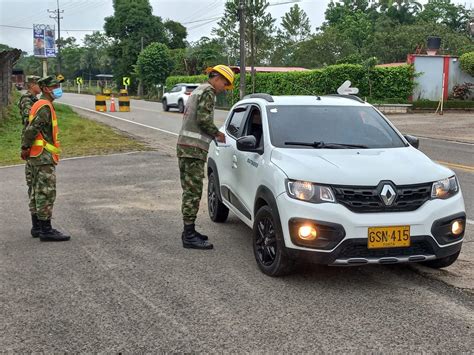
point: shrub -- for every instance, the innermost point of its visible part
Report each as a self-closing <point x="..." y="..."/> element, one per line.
<point x="467" y="63"/>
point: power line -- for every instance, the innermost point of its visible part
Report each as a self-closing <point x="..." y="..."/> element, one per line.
<point x="31" y="28"/>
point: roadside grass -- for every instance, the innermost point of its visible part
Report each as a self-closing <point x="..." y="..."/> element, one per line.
<point x="79" y="136"/>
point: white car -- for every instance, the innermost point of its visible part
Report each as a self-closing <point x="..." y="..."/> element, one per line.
<point x="329" y="179"/>
<point x="178" y="96"/>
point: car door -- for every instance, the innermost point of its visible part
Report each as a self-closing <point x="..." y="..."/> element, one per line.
<point x="226" y="154"/>
<point x="174" y="93"/>
<point x="250" y="164"/>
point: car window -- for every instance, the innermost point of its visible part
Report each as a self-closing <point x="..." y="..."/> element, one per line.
<point x="176" y="88"/>
<point x="236" y="121"/>
<point x="355" y="125"/>
<point x="253" y="126"/>
<point x="191" y="88"/>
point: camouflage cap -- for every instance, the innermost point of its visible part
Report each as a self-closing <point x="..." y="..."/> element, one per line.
<point x="32" y="79"/>
<point x="48" y="81"/>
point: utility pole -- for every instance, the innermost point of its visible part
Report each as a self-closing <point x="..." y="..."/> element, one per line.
<point x="57" y="16"/>
<point x="140" y="82"/>
<point x="242" y="47"/>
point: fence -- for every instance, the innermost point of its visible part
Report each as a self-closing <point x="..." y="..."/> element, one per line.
<point x="7" y="60"/>
<point x="90" y="86"/>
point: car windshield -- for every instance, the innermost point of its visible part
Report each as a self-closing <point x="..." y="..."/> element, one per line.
<point x="332" y="127"/>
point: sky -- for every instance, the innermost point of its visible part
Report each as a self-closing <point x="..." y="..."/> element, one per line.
<point x="80" y="17"/>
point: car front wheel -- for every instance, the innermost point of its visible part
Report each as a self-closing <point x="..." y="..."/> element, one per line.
<point x="442" y="262"/>
<point x="268" y="244"/>
<point x="165" y="105"/>
<point x="218" y="212"/>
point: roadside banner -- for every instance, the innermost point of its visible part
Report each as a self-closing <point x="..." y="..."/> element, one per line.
<point x="44" y="43"/>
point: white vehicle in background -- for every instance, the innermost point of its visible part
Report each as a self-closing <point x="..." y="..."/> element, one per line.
<point x="178" y="96"/>
<point x="331" y="180"/>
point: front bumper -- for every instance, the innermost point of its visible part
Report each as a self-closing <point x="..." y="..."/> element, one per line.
<point x="351" y="246"/>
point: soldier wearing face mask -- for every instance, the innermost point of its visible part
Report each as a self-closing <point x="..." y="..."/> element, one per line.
<point x="40" y="148"/>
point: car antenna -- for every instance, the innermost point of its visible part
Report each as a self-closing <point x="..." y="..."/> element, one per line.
<point x="307" y="91"/>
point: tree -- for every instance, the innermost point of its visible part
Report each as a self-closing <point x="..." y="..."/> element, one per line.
<point x="4" y="47"/>
<point x="205" y="53"/>
<point x="454" y="16"/>
<point x="175" y="34"/>
<point x="131" y="25"/>
<point x="258" y="35"/>
<point x="154" y="64"/>
<point x="338" y="10"/>
<point x="404" y="11"/>
<point x="295" y="28"/>
<point x="295" y="23"/>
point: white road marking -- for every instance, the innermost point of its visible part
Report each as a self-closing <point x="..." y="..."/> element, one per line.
<point x="125" y="120"/>
<point x="81" y="157"/>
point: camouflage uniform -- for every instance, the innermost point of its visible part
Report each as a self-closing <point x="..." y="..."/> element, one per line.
<point x="192" y="158"/>
<point x="25" y="103"/>
<point x="40" y="171"/>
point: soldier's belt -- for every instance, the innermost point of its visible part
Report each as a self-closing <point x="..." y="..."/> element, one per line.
<point x="195" y="135"/>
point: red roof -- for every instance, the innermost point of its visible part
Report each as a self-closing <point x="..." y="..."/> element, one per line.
<point x="269" y="69"/>
<point x="390" y="65"/>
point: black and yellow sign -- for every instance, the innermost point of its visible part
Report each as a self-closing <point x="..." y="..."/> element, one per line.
<point x="79" y="81"/>
<point x="126" y="81"/>
<point x="60" y="78"/>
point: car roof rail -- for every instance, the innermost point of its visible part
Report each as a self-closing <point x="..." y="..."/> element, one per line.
<point x="266" y="97"/>
<point x="352" y="97"/>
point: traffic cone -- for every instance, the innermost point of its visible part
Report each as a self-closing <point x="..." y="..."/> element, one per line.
<point x="112" y="104"/>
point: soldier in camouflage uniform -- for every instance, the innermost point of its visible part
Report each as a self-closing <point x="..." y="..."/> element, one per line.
<point x="40" y="149"/>
<point x="197" y="131"/>
<point x="25" y="103"/>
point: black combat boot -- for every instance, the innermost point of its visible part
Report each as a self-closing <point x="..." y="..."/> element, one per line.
<point x="35" y="229"/>
<point x="192" y="240"/>
<point x="49" y="234"/>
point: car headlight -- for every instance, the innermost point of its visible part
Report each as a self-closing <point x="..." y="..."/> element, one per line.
<point x="445" y="188"/>
<point x="310" y="192"/>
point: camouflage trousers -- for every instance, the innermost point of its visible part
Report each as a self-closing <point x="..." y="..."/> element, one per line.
<point x="41" y="182"/>
<point x="191" y="172"/>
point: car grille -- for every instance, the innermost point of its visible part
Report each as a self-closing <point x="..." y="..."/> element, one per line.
<point x="362" y="199"/>
<point x="360" y="250"/>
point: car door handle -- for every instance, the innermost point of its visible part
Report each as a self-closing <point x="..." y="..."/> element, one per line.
<point x="234" y="161"/>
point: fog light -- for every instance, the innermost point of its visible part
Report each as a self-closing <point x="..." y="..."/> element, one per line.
<point x="307" y="233"/>
<point x="457" y="227"/>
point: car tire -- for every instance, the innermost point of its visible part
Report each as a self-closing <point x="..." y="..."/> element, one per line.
<point x="442" y="262"/>
<point x="268" y="245"/>
<point x="180" y="106"/>
<point x="165" y="105"/>
<point x="218" y="212"/>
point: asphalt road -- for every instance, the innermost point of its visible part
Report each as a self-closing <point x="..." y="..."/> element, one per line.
<point x="125" y="284"/>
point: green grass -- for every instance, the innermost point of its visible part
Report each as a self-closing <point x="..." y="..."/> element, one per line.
<point x="79" y="136"/>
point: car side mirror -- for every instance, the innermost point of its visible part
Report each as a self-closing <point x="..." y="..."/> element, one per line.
<point x="248" y="144"/>
<point x="414" y="142"/>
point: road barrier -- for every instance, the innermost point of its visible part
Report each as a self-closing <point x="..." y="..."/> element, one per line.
<point x="107" y="93"/>
<point x="124" y="101"/>
<point x="100" y="103"/>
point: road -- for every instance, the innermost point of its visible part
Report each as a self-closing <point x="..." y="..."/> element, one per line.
<point x="455" y="155"/>
<point x="125" y="284"/>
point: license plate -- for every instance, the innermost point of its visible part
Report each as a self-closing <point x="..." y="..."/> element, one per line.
<point x="388" y="237"/>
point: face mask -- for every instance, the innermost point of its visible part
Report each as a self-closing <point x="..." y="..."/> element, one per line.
<point x="57" y="93"/>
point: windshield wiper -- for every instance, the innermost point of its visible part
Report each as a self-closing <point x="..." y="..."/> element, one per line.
<point x="322" y="145"/>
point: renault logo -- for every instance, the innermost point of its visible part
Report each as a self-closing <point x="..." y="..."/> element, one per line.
<point x="388" y="195"/>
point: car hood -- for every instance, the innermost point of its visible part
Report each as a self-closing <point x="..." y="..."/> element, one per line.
<point x="364" y="167"/>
